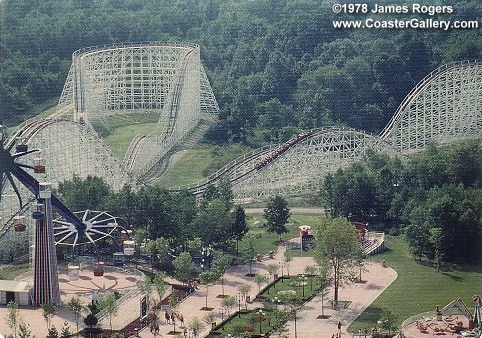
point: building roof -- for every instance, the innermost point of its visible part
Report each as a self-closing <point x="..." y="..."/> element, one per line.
<point x="14" y="286"/>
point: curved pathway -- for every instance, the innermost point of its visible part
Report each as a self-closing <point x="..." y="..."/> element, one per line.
<point x="308" y="325"/>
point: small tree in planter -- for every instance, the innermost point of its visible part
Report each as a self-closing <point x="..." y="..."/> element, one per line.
<point x="209" y="319"/>
<point x="247" y="255"/>
<point x="108" y="305"/>
<point x="24" y="330"/>
<point x="196" y="326"/>
<point x="228" y="303"/>
<point x="244" y="289"/>
<point x="76" y="305"/>
<point x="273" y="270"/>
<point x="288" y="259"/>
<point x="65" y="331"/>
<point x="48" y="311"/>
<point x="311" y="270"/>
<point x="207" y="278"/>
<point x="53" y="333"/>
<point x="260" y="279"/>
<point x="13" y="318"/>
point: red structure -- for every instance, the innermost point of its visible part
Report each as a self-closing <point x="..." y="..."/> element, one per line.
<point x="306" y="236"/>
<point x="362" y="230"/>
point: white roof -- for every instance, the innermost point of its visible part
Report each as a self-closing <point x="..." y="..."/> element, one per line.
<point x="14" y="286"/>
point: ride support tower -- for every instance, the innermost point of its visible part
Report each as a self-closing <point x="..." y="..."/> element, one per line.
<point x="46" y="279"/>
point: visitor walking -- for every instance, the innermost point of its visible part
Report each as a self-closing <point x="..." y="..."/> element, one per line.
<point x="181" y="319"/>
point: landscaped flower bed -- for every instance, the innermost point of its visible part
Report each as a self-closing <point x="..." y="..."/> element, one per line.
<point x="254" y="321"/>
<point x="306" y="287"/>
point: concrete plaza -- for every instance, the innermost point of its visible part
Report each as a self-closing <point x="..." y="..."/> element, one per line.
<point x="361" y="295"/>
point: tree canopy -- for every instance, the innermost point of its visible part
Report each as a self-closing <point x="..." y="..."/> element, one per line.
<point x="277" y="215"/>
<point x="434" y="198"/>
<point x="275" y="66"/>
<point x="337" y="250"/>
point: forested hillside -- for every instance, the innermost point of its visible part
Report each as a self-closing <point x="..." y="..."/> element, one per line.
<point x="275" y="65"/>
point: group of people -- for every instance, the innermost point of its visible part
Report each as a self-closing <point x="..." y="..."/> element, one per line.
<point x="173" y="317"/>
<point x="154" y="327"/>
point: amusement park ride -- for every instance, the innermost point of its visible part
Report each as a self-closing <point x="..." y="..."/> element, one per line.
<point x="168" y="83"/>
<point x="70" y="229"/>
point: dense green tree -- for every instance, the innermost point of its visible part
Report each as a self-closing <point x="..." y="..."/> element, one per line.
<point x="239" y="226"/>
<point x="225" y="192"/>
<point x="91" y="320"/>
<point x="184" y="266"/>
<point x="82" y="194"/>
<point x="213" y="224"/>
<point x="248" y="254"/>
<point x="435" y="189"/>
<point x="277" y="215"/>
<point x="120" y="203"/>
<point x="327" y="96"/>
<point x="436" y="241"/>
<point x="337" y="250"/>
<point x="253" y="51"/>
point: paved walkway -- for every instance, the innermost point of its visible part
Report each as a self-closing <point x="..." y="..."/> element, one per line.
<point x="84" y="286"/>
<point x="361" y="295"/>
<point x="308" y="325"/>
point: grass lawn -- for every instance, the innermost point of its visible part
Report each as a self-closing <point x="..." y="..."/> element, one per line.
<point x="196" y="164"/>
<point x="304" y="289"/>
<point x="418" y="287"/>
<point x="251" y="322"/>
<point x="265" y="242"/>
<point x="188" y="170"/>
<point x="120" y="138"/>
<point x="9" y="272"/>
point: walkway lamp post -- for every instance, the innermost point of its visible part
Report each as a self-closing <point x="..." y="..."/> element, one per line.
<point x="221" y="312"/>
<point x="302" y="282"/>
<point x="261" y="315"/>
<point x="276" y="302"/>
<point x="282" y="265"/>
<point x="238" y="296"/>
